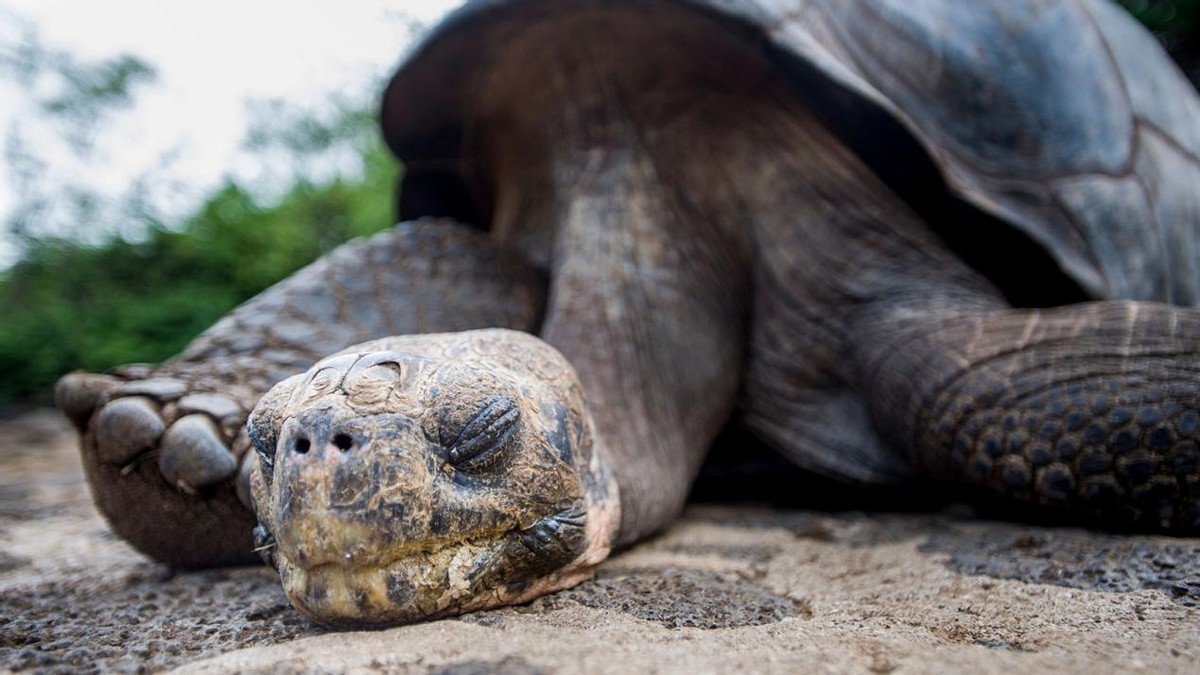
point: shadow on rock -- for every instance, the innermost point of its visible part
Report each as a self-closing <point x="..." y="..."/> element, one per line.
<point x="1073" y="558"/>
<point x="146" y="619"/>
<point x="680" y="598"/>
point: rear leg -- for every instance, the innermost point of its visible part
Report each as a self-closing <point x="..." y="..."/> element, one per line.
<point x="1091" y="409"/>
<point x="163" y="446"/>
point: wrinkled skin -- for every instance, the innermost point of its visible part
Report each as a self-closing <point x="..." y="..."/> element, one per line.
<point x="417" y="477"/>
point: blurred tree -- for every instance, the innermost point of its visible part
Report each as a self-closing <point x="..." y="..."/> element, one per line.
<point x="65" y="101"/>
<point x="67" y="304"/>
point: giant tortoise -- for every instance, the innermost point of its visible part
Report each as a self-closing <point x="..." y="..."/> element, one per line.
<point x="898" y="241"/>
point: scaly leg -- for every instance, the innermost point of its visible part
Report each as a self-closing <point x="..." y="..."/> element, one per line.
<point x="1092" y="409"/>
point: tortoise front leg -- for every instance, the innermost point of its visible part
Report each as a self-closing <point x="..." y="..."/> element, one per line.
<point x="645" y="303"/>
<point x="163" y="446"/>
<point x="1092" y="409"/>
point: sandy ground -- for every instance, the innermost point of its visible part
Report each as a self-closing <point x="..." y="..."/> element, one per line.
<point x="729" y="588"/>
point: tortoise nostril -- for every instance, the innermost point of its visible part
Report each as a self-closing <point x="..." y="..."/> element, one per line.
<point x="343" y="442"/>
<point x="301" y="446"/>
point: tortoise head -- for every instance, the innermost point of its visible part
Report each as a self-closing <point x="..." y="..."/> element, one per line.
<point x="429" y="476"/>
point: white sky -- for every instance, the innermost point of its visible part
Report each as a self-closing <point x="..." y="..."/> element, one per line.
<point x="211" y="57"/>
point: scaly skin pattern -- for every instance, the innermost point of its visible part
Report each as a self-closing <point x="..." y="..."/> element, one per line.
<point x="1093" y="409"/>
<point x="416" y="477"/>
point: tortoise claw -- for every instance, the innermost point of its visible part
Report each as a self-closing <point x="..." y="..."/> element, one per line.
<point x="78" y="394"/>
<point x="125" y="428"/>
<point x="157" y="460"/>
<point x="193" y="455"/>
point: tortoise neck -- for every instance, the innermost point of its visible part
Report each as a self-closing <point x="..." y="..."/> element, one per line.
<point x="647" y="302"/>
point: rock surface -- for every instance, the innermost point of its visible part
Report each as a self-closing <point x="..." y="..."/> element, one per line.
<point x="727" y="589"/>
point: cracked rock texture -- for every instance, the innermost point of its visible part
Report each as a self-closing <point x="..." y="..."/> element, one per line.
<point x="728" y="588"/>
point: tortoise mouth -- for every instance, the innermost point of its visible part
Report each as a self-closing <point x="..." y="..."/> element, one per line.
<point x="407" y="588"/>
<point x="421" y="581"/>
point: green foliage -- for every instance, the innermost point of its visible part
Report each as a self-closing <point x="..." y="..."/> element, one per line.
<point x="1177" y="25"/>
<point x="67" y="306"/>
<point x="103" y="279"/>
<point x="1166" y="17"/>
<point x="108" y="83"/>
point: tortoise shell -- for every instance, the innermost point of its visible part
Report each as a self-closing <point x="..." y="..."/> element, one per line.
<point x="1084" y="142"/>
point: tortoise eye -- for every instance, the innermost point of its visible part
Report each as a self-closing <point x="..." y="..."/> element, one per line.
<point x="481" y="440"/>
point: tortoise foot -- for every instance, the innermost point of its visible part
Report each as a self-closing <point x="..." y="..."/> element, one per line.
<point x="162" y="449"/>
<point x="430" y="475"/>
<point x="163" y="445"/>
